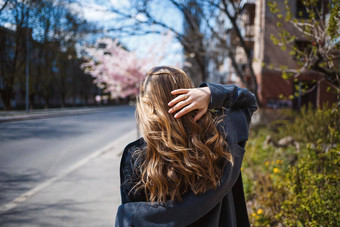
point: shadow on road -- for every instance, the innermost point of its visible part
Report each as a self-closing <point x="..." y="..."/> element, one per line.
<point x="13" y="185"/>
<point x="31" y="215"/>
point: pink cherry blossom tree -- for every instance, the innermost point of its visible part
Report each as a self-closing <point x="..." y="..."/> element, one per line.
<point x="118" y="71"/>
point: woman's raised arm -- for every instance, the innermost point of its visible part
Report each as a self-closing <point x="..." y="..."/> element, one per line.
<point x="212" y="96"/>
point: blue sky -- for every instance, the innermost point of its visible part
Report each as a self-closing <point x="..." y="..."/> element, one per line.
<point x="98" y="11"/>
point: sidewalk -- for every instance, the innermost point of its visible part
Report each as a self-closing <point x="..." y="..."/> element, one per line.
<point x="20" y="115"/>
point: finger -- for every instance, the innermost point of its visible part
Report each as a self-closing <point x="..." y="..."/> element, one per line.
<point x="177" y="99"/>
<point x="184" y="111"/>
<point x="179" y="106"/>
<point x="199" y="114"/>
<point x="180" y="91"/>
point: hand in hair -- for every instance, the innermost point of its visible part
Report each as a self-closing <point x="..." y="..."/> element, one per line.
<point x="189" y="100"/>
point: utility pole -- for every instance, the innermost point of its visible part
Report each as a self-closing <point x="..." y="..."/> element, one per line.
<point x="27" y="70"/>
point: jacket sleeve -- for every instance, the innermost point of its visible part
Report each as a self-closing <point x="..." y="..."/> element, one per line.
<point x="128" y="176"/>
<point x="231" y="97"/>
<point x="125" y="175"/>
<point x="239" y="103"/>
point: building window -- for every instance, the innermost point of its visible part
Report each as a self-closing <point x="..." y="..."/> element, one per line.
<point x="302" y="10"/>
<point x="302" y="48"/>
<point x="275" y="103"/>
<point x="251" y="16"/>
<point x="305" y="93"/>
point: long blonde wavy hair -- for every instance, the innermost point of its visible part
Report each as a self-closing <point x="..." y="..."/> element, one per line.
<point x="180" y="154"/>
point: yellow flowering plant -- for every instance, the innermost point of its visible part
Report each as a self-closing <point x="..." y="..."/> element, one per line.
<point x="287" y="186"/>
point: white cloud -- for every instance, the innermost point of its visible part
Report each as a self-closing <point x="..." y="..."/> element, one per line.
<point x="141" y="17"/>
<point x="10" y="26"/>
<point x="98" y="13"/>
<point x="120" y="3"/>
<point x="93" y="11"/>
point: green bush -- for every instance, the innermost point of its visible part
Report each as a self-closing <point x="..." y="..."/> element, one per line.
<point x="296" y="184"/>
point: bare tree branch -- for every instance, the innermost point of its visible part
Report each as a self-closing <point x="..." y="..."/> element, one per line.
<point x="4" y="6"/>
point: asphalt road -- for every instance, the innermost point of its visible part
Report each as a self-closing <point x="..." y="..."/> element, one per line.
<point x="55" y="172"/>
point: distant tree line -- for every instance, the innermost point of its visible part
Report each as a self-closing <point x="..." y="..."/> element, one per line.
<point x="47" y="33"/>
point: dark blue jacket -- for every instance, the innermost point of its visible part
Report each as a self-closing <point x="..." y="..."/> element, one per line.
<point x="223" y="206"/>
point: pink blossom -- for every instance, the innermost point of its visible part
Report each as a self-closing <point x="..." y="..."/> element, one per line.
<point x="118" y="71"/>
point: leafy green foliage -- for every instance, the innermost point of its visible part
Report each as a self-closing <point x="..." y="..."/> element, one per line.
<point x="296" y="184"/>
<point x="333" y="29"/>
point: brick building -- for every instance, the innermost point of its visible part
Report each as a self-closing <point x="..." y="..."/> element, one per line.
<point x="271" y="83"/>
<point x="257" y="23"/>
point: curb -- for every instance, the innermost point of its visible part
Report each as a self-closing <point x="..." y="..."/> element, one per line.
<point x="49" y="114"/>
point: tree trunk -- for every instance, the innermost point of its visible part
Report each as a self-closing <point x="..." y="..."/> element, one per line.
<point x="254" y="85"/>
<point x="6" y="99"/>
<point x="62" y="99"/>
<point x="32" y="101"/>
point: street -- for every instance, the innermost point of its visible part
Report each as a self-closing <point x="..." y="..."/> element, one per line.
<point x="63" y="171"/>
